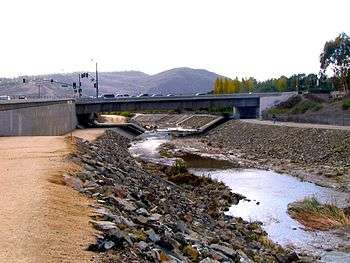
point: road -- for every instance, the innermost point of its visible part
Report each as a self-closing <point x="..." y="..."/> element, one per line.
<point x="300" y="125"/>
<point x="41" y="219"/>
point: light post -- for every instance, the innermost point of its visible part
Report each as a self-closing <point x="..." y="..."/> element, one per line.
<point x="96" y="78"/>
<point x="96" y="82"/>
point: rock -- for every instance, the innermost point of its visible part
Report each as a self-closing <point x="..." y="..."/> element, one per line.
<point x="209" y="260"/>
<point x="142" y="245"/>
<point x="108" y="245"/>
<point x="142" y="211"/>
<point x="191" y="252"/>
<point x="125" y="204"/>
<point x="103" y="225"/>
<point x="155" y="217"/>
<point x="225" y="250"/>
<point x="292" y="257"/>
<point x="147" y="218"/>
<point x="141" y="219"/>
<point x="74" y="182"/>
<point x="153" y="236"/>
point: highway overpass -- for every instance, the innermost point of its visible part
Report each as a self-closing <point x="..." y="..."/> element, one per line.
<point x="246" y="105"/>
<point x="55" y="117"/>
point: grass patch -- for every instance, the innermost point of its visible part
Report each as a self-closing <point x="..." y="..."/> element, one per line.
<point x="179" y="174"/>
<point x="165" y="153"/>
<point x="346" y="104"/>
<point x="126" y="114"/>
<point x="314" y="215"/>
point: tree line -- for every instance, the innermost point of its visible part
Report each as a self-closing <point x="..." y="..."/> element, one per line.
<point x="334" y="58"/>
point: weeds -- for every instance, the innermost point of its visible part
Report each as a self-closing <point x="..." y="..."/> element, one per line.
<point x="311" y="213"/>
<point x="346" y="104"/>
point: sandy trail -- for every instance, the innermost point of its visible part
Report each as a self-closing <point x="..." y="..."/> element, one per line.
<point x="298" y="125"/>
<point x="41" y="221"/>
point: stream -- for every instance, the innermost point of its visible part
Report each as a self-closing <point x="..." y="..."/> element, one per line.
<point x="267" y="196"/>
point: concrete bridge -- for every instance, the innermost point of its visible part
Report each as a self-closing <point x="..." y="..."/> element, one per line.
<point x="247" y="106"/>
<point x="56" y="117"/>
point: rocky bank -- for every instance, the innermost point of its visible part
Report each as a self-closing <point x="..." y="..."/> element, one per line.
<point x="317" y="155"/>
<point x="143" y="217"/>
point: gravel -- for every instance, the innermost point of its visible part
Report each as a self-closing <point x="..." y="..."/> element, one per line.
<point x="322" y="152"/>
<point x="154" y="220"/>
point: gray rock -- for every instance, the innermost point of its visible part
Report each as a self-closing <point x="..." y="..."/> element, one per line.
<point x="209" y="260"/>
<point x="103" y="225"/>
<point x="152" y="235"/>
<point x="142" y="245"/>
<point x="225" y="250"/>
<point x="108" y="245"/>
<point x="142" y="211"/>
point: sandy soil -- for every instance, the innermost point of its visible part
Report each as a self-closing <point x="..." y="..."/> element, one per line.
<point x="88" y="134"/>
<point x="115" y="119"/>
<point x="41" y="220"/>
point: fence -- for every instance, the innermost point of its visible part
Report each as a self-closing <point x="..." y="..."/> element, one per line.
<point x="342" y="119"/>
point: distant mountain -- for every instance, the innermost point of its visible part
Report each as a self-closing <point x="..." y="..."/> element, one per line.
<point x="174" y="81"/>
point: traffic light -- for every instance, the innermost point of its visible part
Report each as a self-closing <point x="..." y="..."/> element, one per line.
<point x="24" y="80"/>
<point x="74" y="85"/>
<point x="84" y="75"/>
<point x="95" y="86"/>
<point x="51" y="80"/>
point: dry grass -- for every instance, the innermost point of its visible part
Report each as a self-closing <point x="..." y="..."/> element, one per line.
<point x="314" y="215"/>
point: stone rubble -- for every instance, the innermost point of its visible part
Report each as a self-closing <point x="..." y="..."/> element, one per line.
<point x="321" y="154"/>
<point x="143" y="217"/>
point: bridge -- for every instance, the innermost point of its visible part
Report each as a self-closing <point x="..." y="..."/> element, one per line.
<point x="247" y="106"/>
<point x="56" y="117"/>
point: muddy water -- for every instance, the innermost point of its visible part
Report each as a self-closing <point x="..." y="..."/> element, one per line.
<point x="268" y="195"/>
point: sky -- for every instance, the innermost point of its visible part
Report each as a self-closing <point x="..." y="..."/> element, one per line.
<point x="259" y="38"/>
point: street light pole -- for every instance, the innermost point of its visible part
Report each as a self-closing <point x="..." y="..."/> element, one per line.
<point x="96" y="82"/>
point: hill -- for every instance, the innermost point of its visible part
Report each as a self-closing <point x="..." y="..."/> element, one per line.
<point x="175" y="81"/>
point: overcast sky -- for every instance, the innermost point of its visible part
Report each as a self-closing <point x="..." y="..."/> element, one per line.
<point x="260" y="38"/>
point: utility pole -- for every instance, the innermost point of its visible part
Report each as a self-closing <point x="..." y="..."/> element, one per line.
<point x="96" y="82"/>
<point x="79" y="84"/>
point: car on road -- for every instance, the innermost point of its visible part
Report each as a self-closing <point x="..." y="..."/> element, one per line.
<point x="108" y="96"/>
<point x="170" y="95"/>
<point x="200" y="94"/>
<point x="156" y="95"/>
<point x="143" y="95"/>
<point x="5" y="97"/>
<point x="22" y="97"/>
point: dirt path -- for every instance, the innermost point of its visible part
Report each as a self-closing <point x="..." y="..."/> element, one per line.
<point x="300" y="125"/>
<point x="41" y="221"/>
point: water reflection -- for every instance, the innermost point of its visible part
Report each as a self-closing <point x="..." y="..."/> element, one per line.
<point x="268" y="195"/>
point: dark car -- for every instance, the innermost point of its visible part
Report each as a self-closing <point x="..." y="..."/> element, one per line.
<point x="143" y="95"/>
<point x="108" y="96"/>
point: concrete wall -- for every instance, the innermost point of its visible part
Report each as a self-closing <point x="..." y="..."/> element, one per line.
<point x="54" y="119"/>
<point x="270" y="101"/>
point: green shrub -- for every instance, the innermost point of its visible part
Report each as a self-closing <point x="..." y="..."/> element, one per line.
<point x="290" y="103"/>
<point x="346" y="104"/>
<point x="306" y="105"/>
<point x="126" y="114"/>
<point x="178" y="167"/>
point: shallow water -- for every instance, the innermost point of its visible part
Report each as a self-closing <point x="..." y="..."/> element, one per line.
<point x="269" y="194"/>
